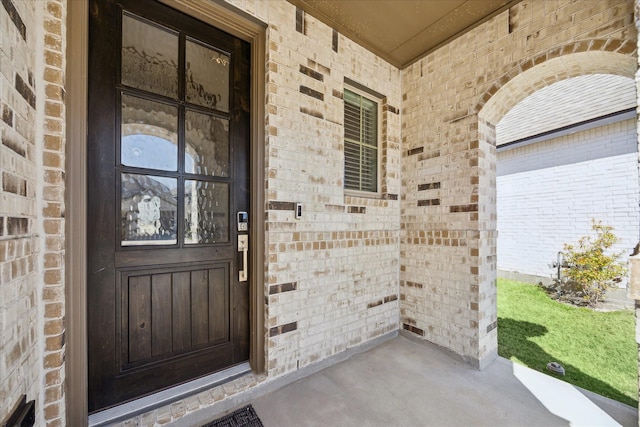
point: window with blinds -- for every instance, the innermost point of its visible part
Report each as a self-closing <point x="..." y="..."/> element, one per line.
<point x="360" y="143"/>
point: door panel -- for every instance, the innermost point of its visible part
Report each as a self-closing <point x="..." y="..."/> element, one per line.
<point x="168" y="170"/>
<point x="172" y="311"/>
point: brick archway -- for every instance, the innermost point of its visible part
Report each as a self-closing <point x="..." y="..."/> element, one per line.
<point x="604" y="56"/>
<point x="607" y="56"/>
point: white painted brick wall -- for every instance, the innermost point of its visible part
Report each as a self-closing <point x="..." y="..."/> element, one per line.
<point x="548" y="193"/>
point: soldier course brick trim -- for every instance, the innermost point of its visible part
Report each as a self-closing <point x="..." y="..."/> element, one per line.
<point x="414" y="151"/>
<point x="391" y="109"/>
<point x="14" y="145"/>
<point x="463" y="208"/>
<point x="311" y="73"/>
<point x="17" y="226"/>
<point x="413" y="329"/>
<point x="15" y="18"/>
<point x="429" y="202"/>
<point x="14" y="184"/>
<point x="282" y="287"/>
<point x="7" y="115"/>
<point x="312" y="93"/>
<point x="387" y="299"/>
<point x="357" y="209"/>
<point x="411" y="284"/>
<point x="625" y="47"/>
<point x="300" y="17"/>
<point x="429" y="186"/>
<point x="283" y="329"/>
<point x="281" y="206"/>
<point x="25" y="91"/>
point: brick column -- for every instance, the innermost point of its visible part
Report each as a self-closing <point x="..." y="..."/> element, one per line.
<point x="485" y="256"/>
<point x="52" y="114"/>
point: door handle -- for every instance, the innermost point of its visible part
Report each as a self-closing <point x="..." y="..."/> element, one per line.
<point x="243" y="246"/>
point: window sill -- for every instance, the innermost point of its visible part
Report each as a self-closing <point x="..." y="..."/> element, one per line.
<point x="363" y="194"/>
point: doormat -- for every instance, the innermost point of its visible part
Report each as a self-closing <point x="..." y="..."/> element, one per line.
<point x="244" y="417"/>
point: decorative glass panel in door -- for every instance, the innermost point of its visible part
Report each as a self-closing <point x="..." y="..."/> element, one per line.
<point x="207" y="76"/>
<point x="149" y="56"/>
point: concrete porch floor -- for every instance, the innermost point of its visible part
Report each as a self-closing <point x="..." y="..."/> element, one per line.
<point x="405" y="383"/>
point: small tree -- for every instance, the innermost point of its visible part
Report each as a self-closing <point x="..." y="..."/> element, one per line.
<point x="588" y="270"/>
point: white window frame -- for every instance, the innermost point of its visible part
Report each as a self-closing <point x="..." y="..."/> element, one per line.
<point x="378" y="100"/>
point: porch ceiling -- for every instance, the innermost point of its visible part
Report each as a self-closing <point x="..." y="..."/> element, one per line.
<point x="403" y="31"/>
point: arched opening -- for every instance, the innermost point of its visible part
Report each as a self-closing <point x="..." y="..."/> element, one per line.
<point x="566" y="155"/>
<point x="518" y="90"/>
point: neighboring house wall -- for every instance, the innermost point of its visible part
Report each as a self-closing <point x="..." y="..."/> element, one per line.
<point x="32" y="207"/>
<point x="549" y="191"/>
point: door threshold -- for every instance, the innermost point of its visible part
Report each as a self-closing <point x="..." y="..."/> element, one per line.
<point x="166" y="397"/>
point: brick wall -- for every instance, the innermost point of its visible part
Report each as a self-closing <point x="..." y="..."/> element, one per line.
<point x="19" y="241"/>
<point x="552" y="190"/>
<point x="452" y="100"/>
<point x="31" y="224"/>
<point x="332" y="276"/>
<point x="326" y="287"/>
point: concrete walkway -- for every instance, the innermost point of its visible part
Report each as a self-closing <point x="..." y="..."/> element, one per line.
<point x="616" y="299"/>
<point x="405" y="383"/>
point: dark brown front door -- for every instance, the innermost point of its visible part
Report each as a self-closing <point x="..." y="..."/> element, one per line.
<point x="168" y="143"/>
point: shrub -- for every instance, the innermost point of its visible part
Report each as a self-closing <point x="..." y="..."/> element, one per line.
<point x="589" y="270"/>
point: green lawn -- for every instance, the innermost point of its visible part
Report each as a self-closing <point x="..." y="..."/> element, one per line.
<point x="597" y="350"/>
